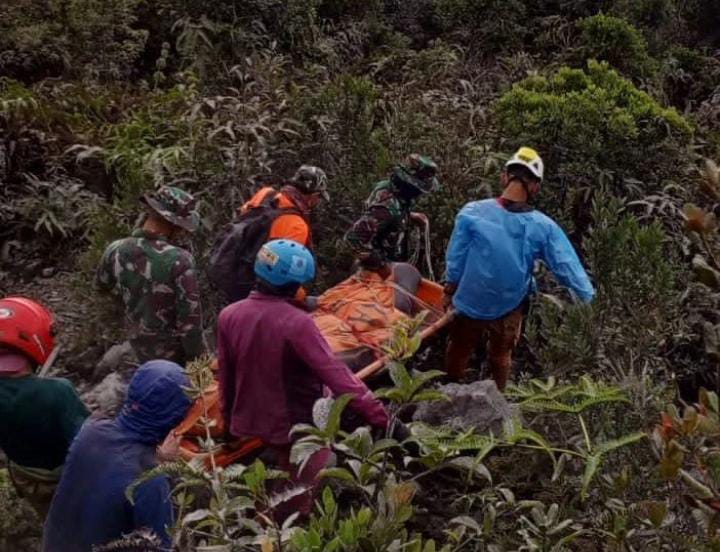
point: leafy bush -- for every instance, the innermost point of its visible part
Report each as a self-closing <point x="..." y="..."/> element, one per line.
<point x="493" y="25"/>
<point x="91" y="37"/>
<point x="652" y="15"/>
<point x="637" y="278"/>
<point x="612" y="39"/>
<point x="19" y="526"/>
<point x="592" y="120"/>
<point x="32" y="45"/>
<point x="687" y="442"/>
<point x="53" y="211"/>
<point x="690" y="76"/>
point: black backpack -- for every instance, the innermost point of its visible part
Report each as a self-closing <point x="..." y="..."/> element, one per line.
<point x="232" y="259"/>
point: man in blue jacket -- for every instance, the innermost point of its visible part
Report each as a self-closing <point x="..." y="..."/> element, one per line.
<point x="490" y="261"/>
<point x="89" y="507"/>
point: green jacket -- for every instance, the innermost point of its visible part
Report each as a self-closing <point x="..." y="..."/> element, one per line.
<point x="382" y="221"/>
<point x="39" y="418"/>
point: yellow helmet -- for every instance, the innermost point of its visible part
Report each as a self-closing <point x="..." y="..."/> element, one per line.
<point x="528" y="158"/>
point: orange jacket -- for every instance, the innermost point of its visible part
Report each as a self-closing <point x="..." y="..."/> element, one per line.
<point x="291" y="226"/>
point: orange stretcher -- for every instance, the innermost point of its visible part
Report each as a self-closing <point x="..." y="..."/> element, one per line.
<point x="356" y="317"/>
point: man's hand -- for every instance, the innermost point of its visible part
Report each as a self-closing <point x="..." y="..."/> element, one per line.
<point x="169" y="450"/>
<point x="448" y="292"/>
<point x="419" y="219"/>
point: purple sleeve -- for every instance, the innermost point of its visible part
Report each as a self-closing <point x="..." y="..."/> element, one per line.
<point x="310" y="345"/>
<point x="226" y="374"/>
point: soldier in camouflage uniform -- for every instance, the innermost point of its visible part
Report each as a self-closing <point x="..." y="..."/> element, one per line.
<point x="157" y="280"/>
<point x="375" y="236"/>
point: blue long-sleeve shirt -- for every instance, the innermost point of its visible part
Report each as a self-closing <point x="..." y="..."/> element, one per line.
<point x="492" y="253"/>
<point x="90" y="507"/>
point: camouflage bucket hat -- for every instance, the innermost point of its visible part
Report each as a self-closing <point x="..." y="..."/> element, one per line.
<point x="419" y="171"/>
<point x="174" y="205"/>
<point x="311" y="180"/>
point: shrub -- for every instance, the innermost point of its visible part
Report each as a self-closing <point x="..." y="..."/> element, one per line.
<point x="690" y="76"/>
<point x="19" y="526"/>
<point x="651" y="14"/>
<point x="636" y="303"/>
<point x="96" y="38"/>
<point x="493" y="25"/>
<point x="593" y="119"/>
<point x="616" y="41"/>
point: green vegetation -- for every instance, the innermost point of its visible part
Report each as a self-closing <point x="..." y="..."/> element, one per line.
<point x="103" y="100"/>
<point x="616" y="41"/>
<point x="594" y="117"/>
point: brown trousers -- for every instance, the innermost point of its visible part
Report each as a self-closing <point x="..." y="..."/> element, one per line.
<point x="499" y="336"/>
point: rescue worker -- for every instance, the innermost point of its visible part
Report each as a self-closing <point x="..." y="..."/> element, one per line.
<point x="375" y="236"/>
<point x="273" y="363"/>
<point x="90" y="507"/>
<point x="490" y="260"/>
<point x="157" y="281"/>
<point x="270" y="214"/>
<point x="39" y="417"/>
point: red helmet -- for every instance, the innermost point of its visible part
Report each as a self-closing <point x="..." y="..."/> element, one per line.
<point x="26" y="326"/>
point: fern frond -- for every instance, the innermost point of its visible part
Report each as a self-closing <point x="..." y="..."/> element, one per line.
<point x="625" y="440"/>
<point x="181" y="470"/>
<point x="594" y="461"/>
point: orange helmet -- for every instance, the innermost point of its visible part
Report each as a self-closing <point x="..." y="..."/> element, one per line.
<point x="26" y="326"/>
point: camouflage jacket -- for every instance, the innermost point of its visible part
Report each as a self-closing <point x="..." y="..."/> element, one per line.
<point x="158" y="285"/>
<point x="379" y="228"/>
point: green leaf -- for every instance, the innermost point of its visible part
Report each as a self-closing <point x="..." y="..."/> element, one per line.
<point x="672" y="460"/>
<point x="656" y="511"/>
<point x="399" y="375"/>
<point x="709" y="399"/>
<point x="430" y="395"/>
<point x="515" y="432"/>
<point x="303" y="449"/>
<point x="701" y="490"/>
<point x="334" y="418"/>
<point x="467" y="521"/>
<point x="194" y="517"/>
<point x="594" y="460"/>
<point x="337" y="473"/>
<point x="625" y="440"/>
<point x="592" y="463"/>
<point x="471" y="465"/>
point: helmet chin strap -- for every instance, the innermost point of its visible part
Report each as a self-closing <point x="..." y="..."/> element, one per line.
<point x="45" y="368"/>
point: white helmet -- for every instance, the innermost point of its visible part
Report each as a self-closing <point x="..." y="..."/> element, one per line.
<point x="529" y="158"/>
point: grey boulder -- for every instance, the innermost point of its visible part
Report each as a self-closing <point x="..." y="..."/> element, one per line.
<point x="476" y="405"/>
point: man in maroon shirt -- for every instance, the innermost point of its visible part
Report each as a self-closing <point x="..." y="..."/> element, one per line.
<point x="274" y="362"/>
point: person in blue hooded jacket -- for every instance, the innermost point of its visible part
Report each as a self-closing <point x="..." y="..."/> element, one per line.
<point x="90" y="507"/>
<point x="490" y="261"/>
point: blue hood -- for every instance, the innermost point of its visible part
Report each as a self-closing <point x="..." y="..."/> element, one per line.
<point x="156" y="401"/>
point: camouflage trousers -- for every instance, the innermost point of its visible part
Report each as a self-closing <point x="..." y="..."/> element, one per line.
<point x="35" y="485"/>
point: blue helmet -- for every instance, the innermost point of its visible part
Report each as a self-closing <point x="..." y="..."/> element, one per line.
<point x="282" y="262"/>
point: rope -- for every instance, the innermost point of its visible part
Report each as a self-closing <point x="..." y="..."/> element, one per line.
<point x="431" y="274"/>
